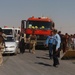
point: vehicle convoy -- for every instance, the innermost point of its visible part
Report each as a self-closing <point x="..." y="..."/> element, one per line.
<point x="42" y="27"/>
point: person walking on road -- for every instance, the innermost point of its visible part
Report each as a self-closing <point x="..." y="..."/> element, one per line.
<point x="56" y="46"/>
<point x="49" y="43"/>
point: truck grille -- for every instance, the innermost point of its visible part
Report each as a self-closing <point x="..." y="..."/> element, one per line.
<point x="41" y="37"/>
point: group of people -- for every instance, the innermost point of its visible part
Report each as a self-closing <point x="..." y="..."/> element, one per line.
<point x="22" y="43"/>
<point x="31" y="43"/>
<point x="57" y="42"/>
<point x="53" y="42"/>
<point x="67" y="42"/>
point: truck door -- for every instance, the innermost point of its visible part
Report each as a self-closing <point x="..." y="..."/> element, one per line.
<point x="23" y="25"/>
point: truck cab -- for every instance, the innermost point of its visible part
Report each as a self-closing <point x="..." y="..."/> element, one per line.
<point x="42" y="27"/>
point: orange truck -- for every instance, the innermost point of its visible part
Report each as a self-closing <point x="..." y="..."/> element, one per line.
<point x="42" y="27"/>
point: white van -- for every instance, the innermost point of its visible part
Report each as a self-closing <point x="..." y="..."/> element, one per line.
<point x="9" y="31"/>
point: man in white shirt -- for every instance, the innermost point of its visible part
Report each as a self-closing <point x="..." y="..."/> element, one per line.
<point x="56" y="46"/>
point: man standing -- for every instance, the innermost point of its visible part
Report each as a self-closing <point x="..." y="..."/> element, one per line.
<point x="49" y="43"/>
<point x="33" y="40"/>
<point x="1" y="46"/>
<point x="56" y="46"/>
<point x="61" y="42"/>
<point x="22" y="43"/>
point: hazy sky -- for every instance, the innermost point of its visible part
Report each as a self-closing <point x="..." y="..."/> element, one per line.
<point x="62" y="12"/>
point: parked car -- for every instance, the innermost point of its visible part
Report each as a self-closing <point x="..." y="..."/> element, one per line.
<point x="11" y="45"/>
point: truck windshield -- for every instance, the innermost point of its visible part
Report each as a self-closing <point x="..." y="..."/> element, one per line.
<point x="39" y="24"/>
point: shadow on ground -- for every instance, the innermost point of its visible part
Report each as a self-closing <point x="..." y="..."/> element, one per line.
<point x="42" y="57"/>
<point x="42" y="63"/>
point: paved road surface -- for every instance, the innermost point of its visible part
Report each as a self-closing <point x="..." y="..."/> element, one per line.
<point x="35" y="64"/>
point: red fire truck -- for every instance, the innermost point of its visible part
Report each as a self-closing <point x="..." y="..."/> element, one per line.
<point x="42" y="27"/>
